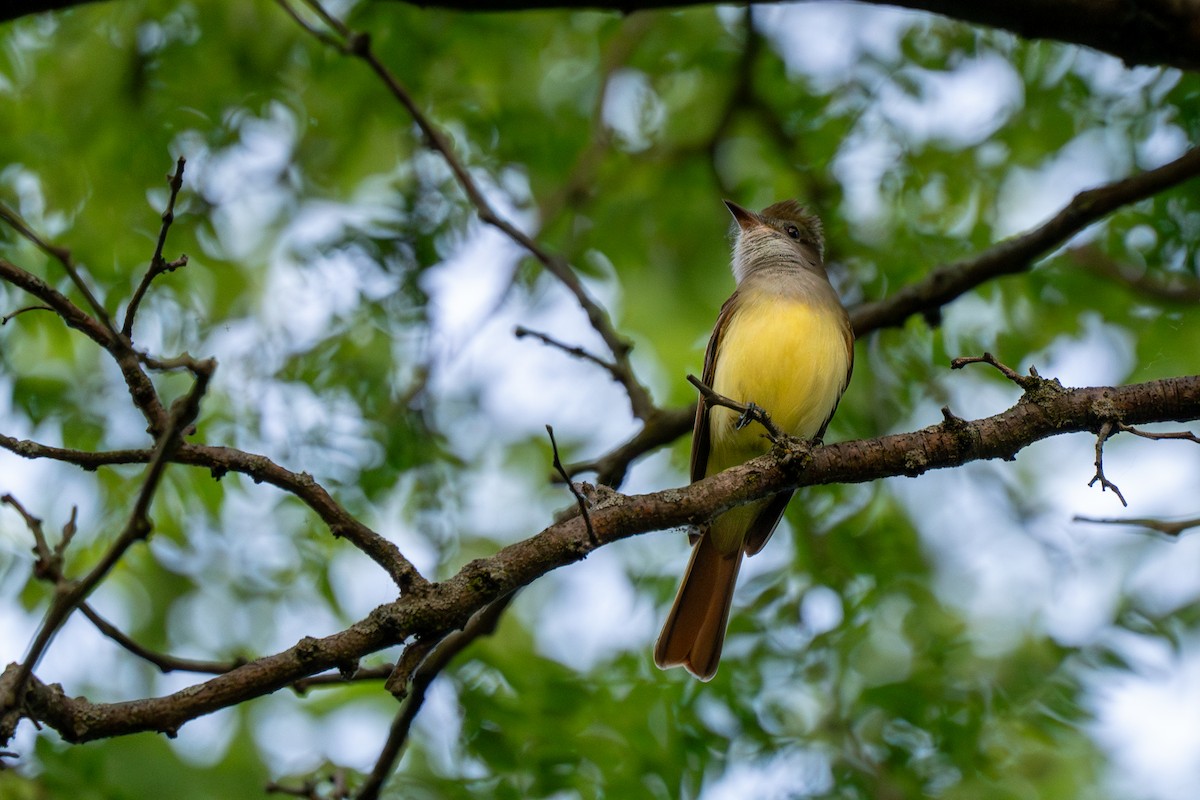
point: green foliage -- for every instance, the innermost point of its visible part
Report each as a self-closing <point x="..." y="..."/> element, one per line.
<point x="318" y="226"/>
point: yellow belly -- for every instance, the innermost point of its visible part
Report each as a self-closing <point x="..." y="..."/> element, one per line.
<point x="788" y="357"/>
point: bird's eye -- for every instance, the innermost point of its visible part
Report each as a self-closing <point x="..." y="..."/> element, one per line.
<point x="793" y="231"/>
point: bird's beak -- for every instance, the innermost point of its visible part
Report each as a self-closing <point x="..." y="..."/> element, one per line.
<point x="745" y="219"/>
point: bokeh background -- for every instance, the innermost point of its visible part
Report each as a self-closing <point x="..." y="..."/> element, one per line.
<point x="957" y="635"/>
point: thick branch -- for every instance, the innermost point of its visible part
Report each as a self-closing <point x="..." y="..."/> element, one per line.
<point x="940" y="287"/>
<point x="1156" y="32"/>
<point x="447" y="606"/>
<point x="946" y="283"/>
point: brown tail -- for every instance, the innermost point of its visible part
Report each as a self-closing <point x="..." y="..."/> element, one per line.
<point x="695" y="629"/>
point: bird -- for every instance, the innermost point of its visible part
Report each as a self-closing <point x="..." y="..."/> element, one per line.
<point x="783" y="342"/>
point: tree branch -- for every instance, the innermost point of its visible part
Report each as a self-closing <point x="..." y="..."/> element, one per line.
<point x="948" y="282"/>
<point x="447" y="606"/>
<point x="220" y="460"/>
<point x="1158" y="285"/>
<point x="141" y="389"/>
<point x="482" y="624"/>
<point x="941" y="286"/>
<point x="70" y="594"/>
<point x="358" y="44"/>
<point x="1155" y="32"/>
<point x="158" y="265"/>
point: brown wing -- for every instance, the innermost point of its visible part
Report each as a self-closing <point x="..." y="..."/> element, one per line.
<point x="700" y="443"/>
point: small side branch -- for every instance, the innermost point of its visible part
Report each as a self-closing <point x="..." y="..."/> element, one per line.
<point x="63" y="256"/>
<point x="1171" y="529"/>
<point x="483" y="623"/>
<point x="72" y="594"/>
<point x="164" y="663"/>
<point x="1186" y="436"/>
<point x="158" y="265"/>
<point x="1106" y="430"/>
<point x="620" y="372"/>
<point x="4" y="320"/>
<point x="661" y="429"/>
<point x="1027" y="382"/>
<point x="579" y="498"/>
<point x="749" y="412"/>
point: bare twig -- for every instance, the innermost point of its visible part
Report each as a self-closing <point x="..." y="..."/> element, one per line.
<point x="358" y="44"/>
<point x="4" y="320"/>
<point x="158" y="265"/>
<point x="579" y="498"/>
<point x="46" y="567"/>
<point x="1106" y="430"/>
<point x="340" y="678"/>
<point x="661" y="429"/>
<point x="572" y="350"/>
<point x="220" y="460"/>
<point x="748" y="411"/>
<point x="165" y="663"/>
<point x="1171" y="529"/>
<point x="137" y="528"/>
<point x="1027" y="382"/>
<point x="141" y="389"/>
<point x="49" y="567"/>
<point x="1186" y="436"/>
<point x="63" y="256"/>
<point x="482" y="623"/>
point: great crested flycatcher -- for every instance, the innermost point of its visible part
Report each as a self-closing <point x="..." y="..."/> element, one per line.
<point x="783" y="342"/>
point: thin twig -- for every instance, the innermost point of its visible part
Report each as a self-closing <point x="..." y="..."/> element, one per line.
<point x="1106" y="430"/>
<point x="572" y="350"/>
<point x="157" y="264"/>
<point x="661" y="429"/>
<point x="1172" y="529"/>
<point x="4" y="320"/>
<point x="137" y="528"/>
<point x="1026" y="382"/>
<point x="1186" y="436"/>
<point x="165" y="663"/>
<point x="46" y="565"/>
<point x="141" y="388"/>
<point x="63" y="256"/>
<point x="482" y="623"/>
<point x="49" y="567"/>
<point x="579" y="498"/>
<point x="220" y="460"/>
<point x="358" y="44"/>
<point x="339" y="678"/>
<point x="748" y="411"/>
